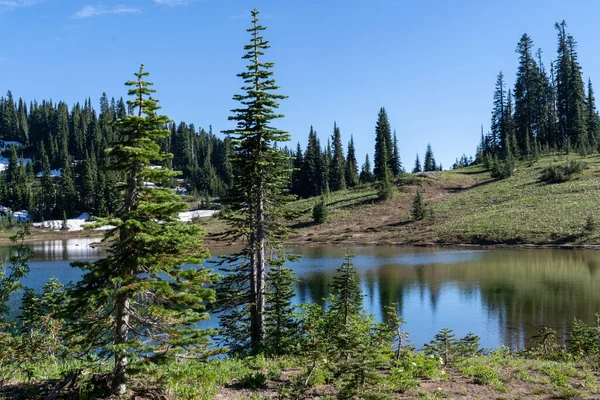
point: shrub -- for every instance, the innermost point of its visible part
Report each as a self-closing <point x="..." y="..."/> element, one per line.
<point x="583" y="339"/>
<point x="320" y="212"/>
<point x="402" y="379"/>
<point x="482" y="374"/>
<point x="254" y="381"/>
<point x="562" y="173"/>
<point x="502" y="169"/>
<point x="590" y="225"/>
<point x="418" y="208"/>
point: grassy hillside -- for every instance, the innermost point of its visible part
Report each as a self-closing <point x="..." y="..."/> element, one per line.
<point x="467" y="206"/>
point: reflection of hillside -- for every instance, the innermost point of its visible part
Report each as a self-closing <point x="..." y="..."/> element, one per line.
<point x="523" y="289"/>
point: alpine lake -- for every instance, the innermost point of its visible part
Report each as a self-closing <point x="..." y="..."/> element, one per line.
<point x="502" y="295"/>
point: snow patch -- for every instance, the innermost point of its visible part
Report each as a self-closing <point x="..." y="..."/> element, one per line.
<point x="189" y="215"/>
<point x="4" y="163"/>
<point x="74" y="224"/>
<point x="21" y="216"/>
<point x="6" y="144"/>
<point x="53" y="173"/>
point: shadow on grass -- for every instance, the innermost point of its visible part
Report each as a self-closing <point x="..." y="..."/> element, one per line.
<point x="401" y="223"/>
<point x="349" y="199"/>
<point x="565" y="239"/>
<point x="301" y="225"/>
<point x="471" y="172"/>
<point x="361" y="203"/>
<point x="458" y="189"/>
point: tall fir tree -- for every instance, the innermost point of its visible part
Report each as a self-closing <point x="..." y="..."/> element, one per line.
<point x="366" y="174"/>
<point x="337" y="176"/>
<point x="298" y="174"/>
<point x="577" y="112"/>
<point x="593" y="120"/>
<point x="396" y="162"/>
<point x="417" y="167"/>
<point x="498" y="125"/>
<point x="525" y="94"/>
<point x="429" y="162"/>
<point x="351" y="165"/>
<point x="313" y="166"/>
<point x="258" y="196"/>
<point x="383" y="145"/>
<point x="280" y="325"/>
<point x="140" y="302"/>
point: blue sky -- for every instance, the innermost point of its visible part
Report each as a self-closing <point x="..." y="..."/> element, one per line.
<point x="431" y="64"/>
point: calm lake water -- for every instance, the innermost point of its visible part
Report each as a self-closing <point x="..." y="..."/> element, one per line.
<point x="502" y="295"/>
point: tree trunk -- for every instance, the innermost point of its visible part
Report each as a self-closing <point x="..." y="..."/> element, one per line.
<point x="259" y="272"/>
<point x="121" y="335"/>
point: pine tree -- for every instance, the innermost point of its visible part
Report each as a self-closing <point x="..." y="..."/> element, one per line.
<point x="351" y="165"/>
<point x="383" y="145"/>
<point x="526" y="93"/>
<point x="337" y="176"/>
<point x="298" y="179"/>
<point x="366" y="175"/>
<point x="48" y="192"/>
<point x="577" y="111"/>
<point x="258" y="194"/>
<point x="141" y="291"/>
<point x="593" y="120"/>
<point x="280" y="325"/>
<point x="67" y="192"/>
<point x="396" y="163"/>
<point x="417" y="167"/>
<point x="429" y="163"/>
<point x="498" y="125"/>
<point x="89" y="185"/>
<point x="313" y="166"/>
<point x="347" y="297"/>
<point x="418" y="208"/>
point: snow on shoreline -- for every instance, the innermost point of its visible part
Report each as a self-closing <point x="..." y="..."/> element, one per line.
<point x="76" y="224"/>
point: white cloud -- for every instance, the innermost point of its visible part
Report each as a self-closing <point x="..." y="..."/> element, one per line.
<point x="12" y="4"/>
<point x="171" y="3"/>
<point x="95" y="11"/>
<point x="243" y="14"/>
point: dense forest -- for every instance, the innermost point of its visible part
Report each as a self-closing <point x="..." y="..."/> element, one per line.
<point x="548" y="110"/>
<point x="56" y="160"/>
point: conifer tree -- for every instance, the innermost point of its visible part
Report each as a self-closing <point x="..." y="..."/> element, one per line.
<point x="418" y="208"/>
<point x="527" y="90"/>
<point x="593" y="120"/>
<point x="298" y="174"/>
<point x="351" y="165"/>
<point x="498" y="125"/>
<point x="258" y="194"/>
<point x="68" y="193"/>
<point x="383" y="145"/>
<point x="90" y="174"/>
<point x="429" y="163"/>
<point x="139" y="302"/>
<point x="366" y="175"/>
<point x="337" y="176"/>
<point x="396" y="163"/>
<point x="417" y="167"/>
<point x="48" y="192"/>
<point x="313" y="166"/>
<point x="346" y="291"/>
<point x="280" y="325"/>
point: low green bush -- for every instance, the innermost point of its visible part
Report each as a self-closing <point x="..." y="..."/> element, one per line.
<point x="562" y="173"/>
